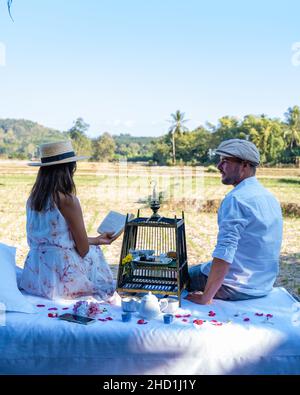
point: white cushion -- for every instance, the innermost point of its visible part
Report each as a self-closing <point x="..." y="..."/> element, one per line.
<point x="10" y="295"/>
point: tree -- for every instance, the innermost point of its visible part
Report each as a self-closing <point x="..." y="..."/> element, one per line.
<point x="292" y="132"/>
<point x="81" y="143"/>
<point x="161" y="152"/>
<point x="228" y="128"/>
<point x="104" y="148"/>
<point x="266" y="134"/>
<point x="177" y="127"/>
<point x="78" y="129"/>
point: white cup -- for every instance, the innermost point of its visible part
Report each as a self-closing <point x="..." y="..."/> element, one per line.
<point x="172" y="306"/>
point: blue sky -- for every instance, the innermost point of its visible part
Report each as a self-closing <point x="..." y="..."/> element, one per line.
<point x="126" y="65"/>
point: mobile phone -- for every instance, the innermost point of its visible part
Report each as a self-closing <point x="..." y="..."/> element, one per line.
<point x="76" y="318"/>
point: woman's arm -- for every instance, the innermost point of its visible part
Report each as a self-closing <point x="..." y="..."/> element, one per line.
<point x="71" y="210"/>
<point x="104" y="238"/>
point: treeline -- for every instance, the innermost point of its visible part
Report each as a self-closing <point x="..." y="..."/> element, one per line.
<point x="278" y="140"/>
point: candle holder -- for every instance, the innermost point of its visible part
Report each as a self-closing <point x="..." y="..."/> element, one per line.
<point x="154" y="205"/>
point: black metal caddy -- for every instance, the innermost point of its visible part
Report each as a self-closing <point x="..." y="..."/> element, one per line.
<point x="163" y="237"/>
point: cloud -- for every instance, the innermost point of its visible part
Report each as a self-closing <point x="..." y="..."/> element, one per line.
<point x="296" y="56"/>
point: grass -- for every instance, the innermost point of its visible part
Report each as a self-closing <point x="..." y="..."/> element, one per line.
<point x="104" y="187"/>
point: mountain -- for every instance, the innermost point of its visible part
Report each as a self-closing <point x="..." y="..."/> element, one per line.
<point x="19" y="138"/>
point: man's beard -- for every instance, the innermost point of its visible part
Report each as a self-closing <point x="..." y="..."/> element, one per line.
<point x="229" y="180"/>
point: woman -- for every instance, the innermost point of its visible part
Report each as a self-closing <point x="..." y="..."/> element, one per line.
<point x="63" y="261"/>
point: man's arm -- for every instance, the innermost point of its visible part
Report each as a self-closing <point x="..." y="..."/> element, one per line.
<point x="215" y="279"/>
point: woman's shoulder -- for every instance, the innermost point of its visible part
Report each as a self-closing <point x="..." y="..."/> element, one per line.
<point x="68" y="201"/>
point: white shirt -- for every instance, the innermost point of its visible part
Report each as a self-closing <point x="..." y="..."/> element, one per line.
<point x="249" y="238"/>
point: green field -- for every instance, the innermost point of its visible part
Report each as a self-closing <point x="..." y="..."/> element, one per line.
<point x="102" y="187"/>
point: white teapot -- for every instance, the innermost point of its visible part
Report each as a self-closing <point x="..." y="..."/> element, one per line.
<point x="149" y="306"/>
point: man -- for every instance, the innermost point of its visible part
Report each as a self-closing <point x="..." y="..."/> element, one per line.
<point x="246" y="258"/>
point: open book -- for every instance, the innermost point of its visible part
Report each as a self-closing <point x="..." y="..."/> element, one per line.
<point x="113" y="222"/>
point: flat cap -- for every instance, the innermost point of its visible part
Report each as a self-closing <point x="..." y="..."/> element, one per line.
<point x="238" y="148"/>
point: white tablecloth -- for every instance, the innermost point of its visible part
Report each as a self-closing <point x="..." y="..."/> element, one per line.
<point x="244" y="343"/>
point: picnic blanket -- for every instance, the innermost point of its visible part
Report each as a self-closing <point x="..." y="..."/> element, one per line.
<point x="258" y="336"/>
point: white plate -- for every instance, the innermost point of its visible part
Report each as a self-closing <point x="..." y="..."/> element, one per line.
<point x="162" y="261"/>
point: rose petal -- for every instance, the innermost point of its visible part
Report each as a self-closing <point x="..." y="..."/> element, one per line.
<point x="259" y="314"/>
<point x="184" y="320"/>
<point x="246" y="319"/>
<point x="52" y="315"/>
<point x="178" y="316"/>
<point x="211" y="314"/>
<point x="65" y="308"/>
<point x="198" y="322"/>
<point x="269" y="315"/>
<point x="141" y="322"/>
<point x="213" y="321"/>
<point x="101" y="319"/>
<point x="40" y="305"/>
<point x="52" y="308"/>
<point x="186" y="315"/>
<point x="108" y="318"/>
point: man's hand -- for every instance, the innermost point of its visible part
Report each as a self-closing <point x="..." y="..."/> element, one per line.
<point x="197" y="297"/>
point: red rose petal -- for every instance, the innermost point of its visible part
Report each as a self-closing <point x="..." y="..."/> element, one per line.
<point x="65" y="308"/>
<point x="141" y="322"/>
<point x="184" y="320"/>
<point x="186" y="315"/>
<point x="101" y="319"/>
<point x="259" y="314"/>
<point x="52" y="315"/>
<point x="198" y="322"/>
<point x="52" y="308"/>
<point x="269" y="315"/>
<point x="246" y="319"/>
<point x="178" y="316"/>
<point x="213" y="321"/>
<point x="108" y="318"/>
<point x="40" y="305"/>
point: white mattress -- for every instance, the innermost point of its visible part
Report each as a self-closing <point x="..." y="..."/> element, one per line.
<point x="37" y="344"/>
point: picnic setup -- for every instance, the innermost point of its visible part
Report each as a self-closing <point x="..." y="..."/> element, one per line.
<point x="149" y="194"/>
<point x="150" y="328"/>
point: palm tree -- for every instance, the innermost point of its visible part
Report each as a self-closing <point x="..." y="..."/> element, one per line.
<point x="292" y="133"/>
<point x="177" y="120"/>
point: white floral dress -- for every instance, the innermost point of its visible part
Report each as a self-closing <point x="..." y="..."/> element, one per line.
<point x="54" y="269"/>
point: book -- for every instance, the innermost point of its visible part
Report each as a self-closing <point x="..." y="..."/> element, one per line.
<point x="113" y="222"/>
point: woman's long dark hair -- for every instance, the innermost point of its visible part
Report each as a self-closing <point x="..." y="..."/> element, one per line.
<point x="50" y="181"/>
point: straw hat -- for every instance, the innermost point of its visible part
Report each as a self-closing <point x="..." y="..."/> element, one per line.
<point x="57" y="153"/>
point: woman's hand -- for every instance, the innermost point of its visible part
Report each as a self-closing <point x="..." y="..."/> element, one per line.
<point x="107" y="238"/>
<point x="104" y="239"/>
